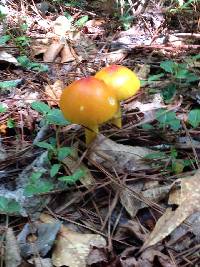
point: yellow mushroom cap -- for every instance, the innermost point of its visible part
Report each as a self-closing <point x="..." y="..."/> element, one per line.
<point x="123" y="80"/>
<point x="88" y="102"/>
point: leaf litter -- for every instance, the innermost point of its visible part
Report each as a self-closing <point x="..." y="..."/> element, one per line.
<point x="126" y="207"/>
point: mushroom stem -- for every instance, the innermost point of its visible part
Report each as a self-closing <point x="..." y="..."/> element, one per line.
<point x="117" y="119"/>
<point x="91" y="133"/>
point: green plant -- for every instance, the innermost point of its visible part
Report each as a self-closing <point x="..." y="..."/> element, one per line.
<point x="169" y="160"/>
<point x="178" y="74"/>
<point x="56" y="155"/>
<point x="167" y="119"/>
<point x="26" y="63"/>
<point x="50" y="115"/>
<point x="194" y="117"/>
<point x="182" y="6"/>
<point x="9" y="206"/>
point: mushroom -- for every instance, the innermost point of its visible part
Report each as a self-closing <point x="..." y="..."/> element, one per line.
<point x="125" y="83"/>
<point x="88" y="102"/>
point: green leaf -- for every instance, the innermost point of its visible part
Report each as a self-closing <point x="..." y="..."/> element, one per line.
<point x="81" y="22"/>
<point x="56" y="117"/>
<point x="164" y="116"/>
<point x="181" y="73"/>
<point x="178" y="166"/>
<point x="175" y="124"/>
<point x="54" y="169"/>
<point x="68" y="16"/>
<point x="26" y="63"/>
<point x="4" y="39"/>
<point x="22" y="40"/>
<point x="9" y="84"/>
<point x="23" y="61"/>
<point x="45" y="145"/>
<point x="40" y="107"/>
<point x="38" y="188"/>
<point x="156" y="155"/>
<point x="191" y="77"/>
<point x="169" y="92"/>
<point x="10" y="123"/>
<point x="71" y="179"/>
<point x="38" y="67"/>
<point x="147" y="126"/>
<point x="194" y="117"/>
<point x="2" y="108"/>
<point x="168" y="66"/>
<point x="168" y="118"/>
<point x="9" y="206"/>
<point x="35" y="176"/>
<point x="155" y="77"/>
<point x="64" y="152"/>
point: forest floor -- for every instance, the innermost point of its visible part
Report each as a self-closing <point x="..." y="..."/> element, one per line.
<point x="130" y="199"/>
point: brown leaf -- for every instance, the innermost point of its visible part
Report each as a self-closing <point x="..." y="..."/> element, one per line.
<point x="53" y="51"/>
<point x="67" y="54"/>
<point x="72" y="248"/>
<point x="54" y="91"/>
<point x="188" y="198"/>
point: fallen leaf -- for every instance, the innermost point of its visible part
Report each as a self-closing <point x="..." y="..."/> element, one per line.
<point x="6" y="57"/>
<point x="53" y="51"/>
<point x="61" y="25"/>
<point x="67" y="54"/>
<point x="12" y="251"/>
<point x="187" y="196"/>
<point x="72" y="248"/>
<point x="122" y="158"/>
<point x="54" y="91"/>
<point x="3" y="128"/>
<point x="97" y="255"/>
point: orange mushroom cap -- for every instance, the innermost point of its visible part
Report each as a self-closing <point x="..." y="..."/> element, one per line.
<point x="123" y="80"/>
<point x="88" y="102"/>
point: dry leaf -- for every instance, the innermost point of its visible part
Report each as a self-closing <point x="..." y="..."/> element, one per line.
<point x="3" y="128"/>
<point x="39" y="46"/>
<point x="188" y="198"/>
<point x="72" y="248"/>
<point x="67" y="54"/>
<point x="54" y="91"/>
<point x="132" y="205"/>
<point x="115" y="56"/>
<point x="61" y="25"/>
<point x="4" y="56"/>
<point x="53" y="51"/>
<point x="12" y="251"/>
<point x="122" y="158"/>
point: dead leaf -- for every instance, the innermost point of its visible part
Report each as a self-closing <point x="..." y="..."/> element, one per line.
<point x="122" y="158"/>
<point x="53" y="51"/>
<point x="39" y="46"/>
<point x="6" y="57"/>
<point x="133" y="205"/>
<point x="97" y="255"/>
<point x="3" y="128"/>
<point x="67" y="54"/>
<point x="72" y="248"/>
<point x="61" y="26"/>
<point x="54" y="91"/>
<point x="188" y="199"/>
<point x="114" y="57"/>
<point x="12" y="251"/>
